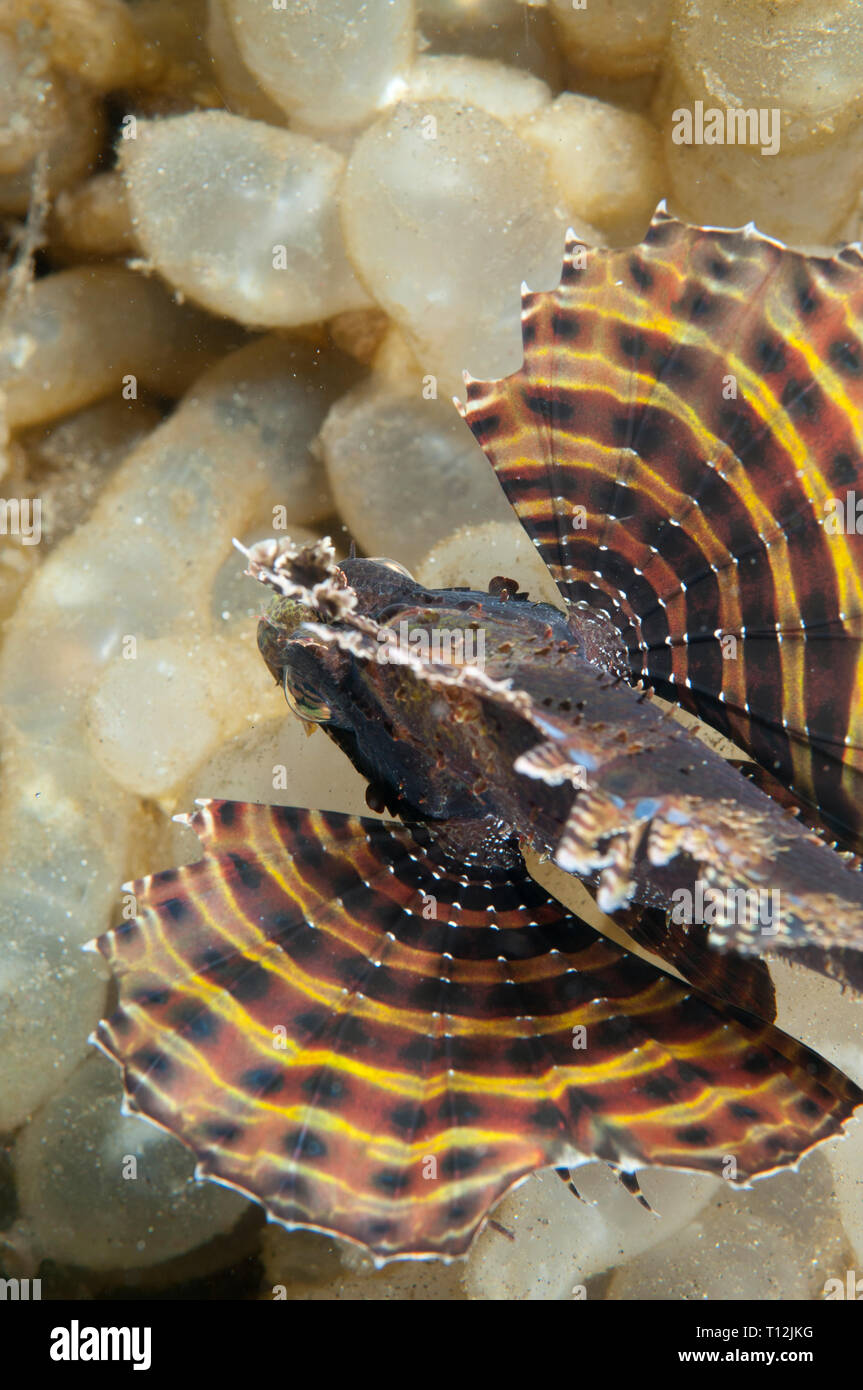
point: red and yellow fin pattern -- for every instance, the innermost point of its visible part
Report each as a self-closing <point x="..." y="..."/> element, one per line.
<point x="377" y="1040"/>
<point x="684" y="443"/>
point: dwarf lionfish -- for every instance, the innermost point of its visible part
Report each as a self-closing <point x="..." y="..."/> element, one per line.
<point x="375" y="1027"/>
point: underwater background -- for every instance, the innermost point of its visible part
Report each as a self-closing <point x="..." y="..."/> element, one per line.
<point x="249" y="250"/>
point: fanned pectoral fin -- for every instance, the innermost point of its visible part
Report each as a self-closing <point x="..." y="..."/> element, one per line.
<point x="376" y="1040"/>
<point x="684" y="445"/>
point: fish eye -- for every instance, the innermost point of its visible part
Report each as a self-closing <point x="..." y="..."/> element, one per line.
<point x="304" y="703"/>
<point x="391" y="565"/>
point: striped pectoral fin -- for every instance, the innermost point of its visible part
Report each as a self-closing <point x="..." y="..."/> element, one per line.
<point x="376" y="1040"/>
<point x="684" y="444"/>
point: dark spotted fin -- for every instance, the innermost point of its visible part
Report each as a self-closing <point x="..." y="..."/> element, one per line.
<point x="684" y="444"/>
<point x="739" y="980"/>
<point x="838" y="963"/>
<point x="666" y="821"/>
<point x="375" y="1039"/>
<point x="767" y="783"/>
